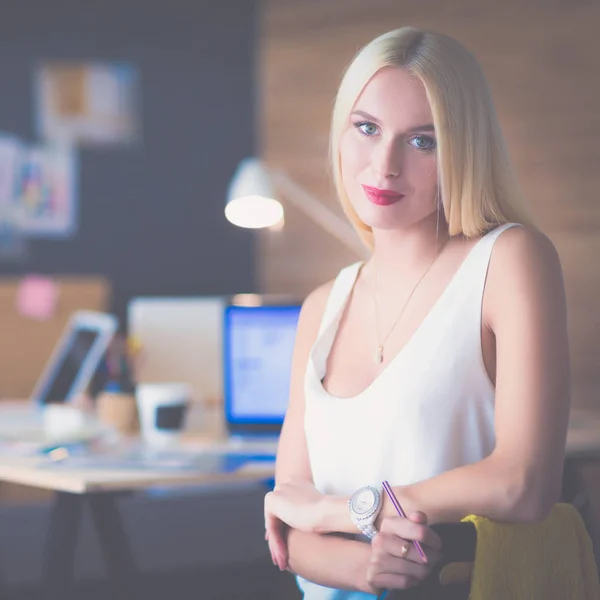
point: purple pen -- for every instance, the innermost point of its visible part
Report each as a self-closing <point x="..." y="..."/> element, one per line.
<point x="400" y="511"/>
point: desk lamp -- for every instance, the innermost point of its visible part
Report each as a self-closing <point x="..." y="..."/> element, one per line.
<point x="252" y="203"/>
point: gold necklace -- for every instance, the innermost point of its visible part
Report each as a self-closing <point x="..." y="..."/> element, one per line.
<point x="379" y="353"/>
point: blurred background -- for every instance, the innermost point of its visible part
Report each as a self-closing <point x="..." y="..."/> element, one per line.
<point x="122" y="124"/>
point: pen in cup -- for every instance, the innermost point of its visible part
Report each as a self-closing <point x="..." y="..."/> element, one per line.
<point x="400" y="511"/>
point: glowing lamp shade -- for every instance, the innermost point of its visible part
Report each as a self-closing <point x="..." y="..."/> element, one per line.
<point x="251" y="199"/>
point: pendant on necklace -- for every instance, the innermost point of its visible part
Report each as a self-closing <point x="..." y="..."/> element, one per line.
<point x="379" y="355"/>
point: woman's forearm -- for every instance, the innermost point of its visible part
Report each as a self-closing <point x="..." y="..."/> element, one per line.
<point x="329" y="560"/>
<point x="489" y="488"/>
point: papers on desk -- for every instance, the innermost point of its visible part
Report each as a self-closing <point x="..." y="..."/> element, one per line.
<point x="24" y="432"/>
<point x="142" y="459"/>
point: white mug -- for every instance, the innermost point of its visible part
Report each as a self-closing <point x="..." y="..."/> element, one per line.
<point x="162" y="410"/>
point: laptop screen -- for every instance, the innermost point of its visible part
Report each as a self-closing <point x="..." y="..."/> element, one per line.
<point x="258" y="345"/>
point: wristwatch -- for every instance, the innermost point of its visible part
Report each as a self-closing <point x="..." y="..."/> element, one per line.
<point x="364" y="506"/>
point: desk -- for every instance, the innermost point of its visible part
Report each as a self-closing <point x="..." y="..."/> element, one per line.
<point x="100" y="490"/>
<point x="32" y="472"/>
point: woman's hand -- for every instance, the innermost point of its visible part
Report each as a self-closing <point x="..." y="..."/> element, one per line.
<point x="395" y="562"/>
<point x="297" y="505"/>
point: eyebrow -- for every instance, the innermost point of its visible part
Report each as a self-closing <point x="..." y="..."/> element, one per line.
<point x="365" y="115"/>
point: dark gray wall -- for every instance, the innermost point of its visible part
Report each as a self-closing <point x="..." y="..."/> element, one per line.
<point x="151" y="216"/>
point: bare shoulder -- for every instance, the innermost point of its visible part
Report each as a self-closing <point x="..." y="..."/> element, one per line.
<point x="522" y="247"/>
<point x="313" y="308"/>
<point x="318" y="297"/>
<point x="524" y="265"/>
<point x="311" y="315"/>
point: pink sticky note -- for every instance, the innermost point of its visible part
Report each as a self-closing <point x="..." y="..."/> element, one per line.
<point x="36" y="297"/>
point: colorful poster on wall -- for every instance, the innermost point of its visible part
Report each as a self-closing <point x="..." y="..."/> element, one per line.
<point x="87" y="103"/>
<point x="12" y="241"/>
<point x="11" y="149"/>
<point x="45" y="197"/>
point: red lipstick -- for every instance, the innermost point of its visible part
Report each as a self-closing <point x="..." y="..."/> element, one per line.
<point x="382" y="197"/>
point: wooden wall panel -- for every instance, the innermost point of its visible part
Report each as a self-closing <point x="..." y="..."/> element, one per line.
<point x="542" y="58"/>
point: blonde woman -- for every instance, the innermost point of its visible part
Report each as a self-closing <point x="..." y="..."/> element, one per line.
<point x="441" y="364"/>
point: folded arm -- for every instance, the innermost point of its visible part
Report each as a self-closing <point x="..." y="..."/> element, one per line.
<point x="329" y="560"/>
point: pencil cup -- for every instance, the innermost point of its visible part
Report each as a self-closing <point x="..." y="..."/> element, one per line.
<point x="162" y="408"/>
<point x="119" y="410"/>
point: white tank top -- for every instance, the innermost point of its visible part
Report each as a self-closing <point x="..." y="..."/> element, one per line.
<point x="430" y="410"/>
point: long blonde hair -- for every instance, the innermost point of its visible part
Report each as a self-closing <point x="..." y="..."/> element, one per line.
<point x="477" y="184"/>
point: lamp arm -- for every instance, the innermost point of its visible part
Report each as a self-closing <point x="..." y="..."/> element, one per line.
<point x="319" y="213"/>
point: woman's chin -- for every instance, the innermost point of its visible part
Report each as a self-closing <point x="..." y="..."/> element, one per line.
<point x="381" y="221"/>
<point x="393" y="218"/>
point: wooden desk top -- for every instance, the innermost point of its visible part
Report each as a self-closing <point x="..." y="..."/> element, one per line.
<point x="41" y="472"/>
<point x="36" y="472"/>
<point x="583" y="440"/>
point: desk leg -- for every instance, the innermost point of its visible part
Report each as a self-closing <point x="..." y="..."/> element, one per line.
<point x="118" y="557"/>
<point x="61" y="540"/>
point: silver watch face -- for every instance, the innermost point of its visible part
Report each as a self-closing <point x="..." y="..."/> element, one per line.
<point x="363" y="501"/>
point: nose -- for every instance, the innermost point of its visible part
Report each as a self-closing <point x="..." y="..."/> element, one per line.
<point x="387" y="159"/>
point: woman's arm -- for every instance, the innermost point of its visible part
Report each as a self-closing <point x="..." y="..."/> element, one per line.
<point x="370" y="567"/>
<point x="525" y="308"/>
<point x="328" y="560"/>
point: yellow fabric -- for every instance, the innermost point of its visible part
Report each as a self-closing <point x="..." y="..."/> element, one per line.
<point x="549" y="560"/>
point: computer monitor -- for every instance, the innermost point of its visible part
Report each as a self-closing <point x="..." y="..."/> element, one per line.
<point x="258" y="344"/>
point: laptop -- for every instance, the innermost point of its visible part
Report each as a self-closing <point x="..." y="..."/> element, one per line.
<point x="258" y="343"/>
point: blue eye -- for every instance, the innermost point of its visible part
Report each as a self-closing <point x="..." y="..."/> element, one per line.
<point x="422" y="142"/>
<point x="366" y="128"/>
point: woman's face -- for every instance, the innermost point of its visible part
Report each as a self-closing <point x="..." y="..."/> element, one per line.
<point x="388" y="152"/>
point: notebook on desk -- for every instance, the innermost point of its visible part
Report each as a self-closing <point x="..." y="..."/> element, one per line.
<point x="258" y="343"/>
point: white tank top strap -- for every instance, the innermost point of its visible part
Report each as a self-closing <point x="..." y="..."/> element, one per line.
<point x="488" y="240"/>
<point x="483" y="253"/>
<point x="471" y="288"/>
<point x="342" y="286"/>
